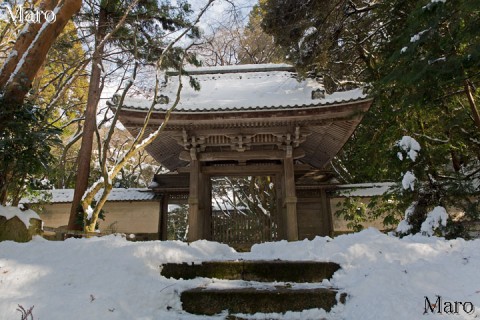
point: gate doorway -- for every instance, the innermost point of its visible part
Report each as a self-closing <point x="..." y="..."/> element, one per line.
<point x="244" y="210"/>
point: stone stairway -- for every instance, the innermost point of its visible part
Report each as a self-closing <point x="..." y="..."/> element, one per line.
<point x="284" y="286"/>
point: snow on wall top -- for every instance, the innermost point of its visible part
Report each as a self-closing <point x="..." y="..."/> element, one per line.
<point x="117" y="194"/>
<point x="244" y="87"/>
<point x="364" y="189"/>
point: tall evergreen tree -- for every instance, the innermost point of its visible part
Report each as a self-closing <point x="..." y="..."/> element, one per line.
<point x="430" y="68"/>
<point x="19" y="69"/>
<point x="420" y="60"/>
<point x="33" y="130"/>
<point x="256" y="46"/>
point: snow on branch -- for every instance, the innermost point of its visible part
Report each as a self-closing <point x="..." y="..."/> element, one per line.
<point x="410" y="146"/>
<point x="139" y="143"/>
<point x="408" y="181"/>
<point x="435" y="219"/>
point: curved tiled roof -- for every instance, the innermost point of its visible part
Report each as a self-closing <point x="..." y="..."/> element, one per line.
<point x="244" y="88"/>
<point x="136" y="104"/>
<point x="264" y="101"/>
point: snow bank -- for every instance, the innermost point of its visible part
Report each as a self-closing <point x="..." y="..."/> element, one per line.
<point x="24" y="216"/>
<point x="110" y="278"/>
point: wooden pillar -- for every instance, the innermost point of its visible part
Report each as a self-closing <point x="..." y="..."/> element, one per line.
<point x="290" y="196"/>
<point x="326" y="214"/>
<point x="207" y="207"/>
<point x="163" y="218"/>
<point x="280" y="215"/>
<point x="195" y="219"/>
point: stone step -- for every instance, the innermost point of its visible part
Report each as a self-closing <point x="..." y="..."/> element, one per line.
<point x="253" y="270"/>
<point x="204" y="301"/>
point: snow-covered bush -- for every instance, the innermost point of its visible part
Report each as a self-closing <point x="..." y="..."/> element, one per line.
<point x="426" y="197"/>
<point x="436" y="219"/>
<point x="434" y="224"/>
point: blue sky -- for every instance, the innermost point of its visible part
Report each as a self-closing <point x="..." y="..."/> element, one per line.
<point x="221" y="12"/>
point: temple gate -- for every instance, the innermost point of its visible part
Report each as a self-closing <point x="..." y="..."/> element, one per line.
<point x="250" y="120"/>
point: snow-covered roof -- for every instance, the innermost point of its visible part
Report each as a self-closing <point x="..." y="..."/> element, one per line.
<point x="117" y="194"/>
<point x="266" y="67"/>
<point x="364" y="189"/>
<point x="259" y="103"/>
<point x="245" y="87"/>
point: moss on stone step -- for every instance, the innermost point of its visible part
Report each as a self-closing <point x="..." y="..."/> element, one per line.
<point x="264" y="271"/>
<point x="229" y="270"/>
<point x="288" y="271"/>
<point x="252" y="300"/>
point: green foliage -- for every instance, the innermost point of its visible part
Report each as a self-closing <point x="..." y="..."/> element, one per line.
<point x="194" y="83"/>
<point x="432" y="52"/>
<point x="360" y="212"/>
<point x="438" y="185"/>
<point x="143" y="34"/>
<point x="61" y="101"/>
<point x="256" y="46"/>
<point x="354" y="211"/>
<point x="33" y="132"/>
<point x="331" y="38"/>
<point x="419" y="58"/>
<point x="26" y="140"/>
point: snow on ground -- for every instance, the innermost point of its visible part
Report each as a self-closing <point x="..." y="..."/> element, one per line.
<point x="112" y="278"/>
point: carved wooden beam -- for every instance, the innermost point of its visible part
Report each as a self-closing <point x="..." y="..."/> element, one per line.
<point x="242" y="156"/>
<point x="248" y="170"/>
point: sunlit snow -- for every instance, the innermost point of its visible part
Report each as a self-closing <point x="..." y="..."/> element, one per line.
<point x="112" y="278"/>
<point x="438" y="216"/>
<point x="408" y="181"/>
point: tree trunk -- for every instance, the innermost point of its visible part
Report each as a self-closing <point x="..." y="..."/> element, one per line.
<point x="90" y="124"/>
<point x="473" y="106"/>
<point x="25" y="59"/>
<point x="30" y="51"/>
<point x="21" y="44"/>
<point x="3" y="189"/>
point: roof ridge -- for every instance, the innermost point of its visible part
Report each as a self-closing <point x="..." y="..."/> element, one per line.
<point x="241" y="68"/>
<point x="313" y="104"/>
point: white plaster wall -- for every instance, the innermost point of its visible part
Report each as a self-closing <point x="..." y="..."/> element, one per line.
<point x="120" y="216"/>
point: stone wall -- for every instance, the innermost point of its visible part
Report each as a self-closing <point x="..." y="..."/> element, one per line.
<point x="15" y="230"/>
